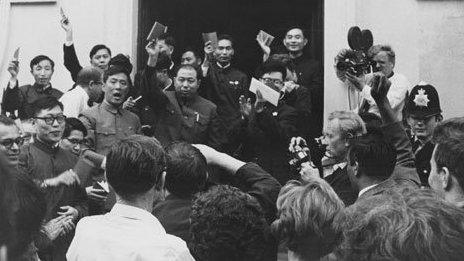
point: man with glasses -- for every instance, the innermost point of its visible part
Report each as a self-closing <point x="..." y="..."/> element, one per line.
<point x="269" y="128"/>
<point x="51" y="167"/>
<point x="88" y="90"/>
<point x="10" y="139"/>
<point x="182" y="115"/>
<point x="423" y="115"/>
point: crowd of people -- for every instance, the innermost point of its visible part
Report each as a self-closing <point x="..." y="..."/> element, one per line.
<point x="184" y="162"/>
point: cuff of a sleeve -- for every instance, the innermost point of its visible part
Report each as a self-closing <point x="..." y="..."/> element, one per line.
<point x="68" y="43"/>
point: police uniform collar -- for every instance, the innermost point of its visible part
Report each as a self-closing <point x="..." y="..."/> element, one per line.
<point x="105" y="105"/>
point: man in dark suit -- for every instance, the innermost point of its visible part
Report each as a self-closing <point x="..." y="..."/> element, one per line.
<point x="269" y="128"/>
<point x="181" y="114"/>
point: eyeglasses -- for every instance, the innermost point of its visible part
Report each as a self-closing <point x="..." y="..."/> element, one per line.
<point x="76" y="141"/>
<point x="50" y="120"/>
<point x="8" y="143"/>
<point x="272" y="81"/>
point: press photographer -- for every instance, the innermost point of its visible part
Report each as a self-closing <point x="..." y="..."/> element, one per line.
<point x="341" y="127"/>
<point x="352" y="68"/>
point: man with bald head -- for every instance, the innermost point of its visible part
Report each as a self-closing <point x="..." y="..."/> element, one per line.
<point x="88" y="89"/>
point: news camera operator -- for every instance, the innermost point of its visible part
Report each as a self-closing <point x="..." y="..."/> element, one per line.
<point x="342" y="126"/>
<point x="382" y="58"/>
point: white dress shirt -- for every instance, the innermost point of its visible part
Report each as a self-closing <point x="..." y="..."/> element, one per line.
<point x="74" y="102"/>
<point x="126" y="233"/>
<point x="396" y="95"/>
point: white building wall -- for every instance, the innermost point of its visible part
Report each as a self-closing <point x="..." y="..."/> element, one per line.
<point x="35" y="27"/>
<point x="427" y="37"/>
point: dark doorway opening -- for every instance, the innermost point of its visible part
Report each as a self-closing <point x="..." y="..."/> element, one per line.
<point x="242" y="19"/>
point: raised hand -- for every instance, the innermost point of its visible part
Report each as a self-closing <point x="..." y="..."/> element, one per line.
<point x="260" y="101"/>
<point x="380" y="85"/>
<point x="153" y="49"/>
<point x="266" y="49"/>
<point x="13" y="69"/>
<point x="209" y="50"/>
<point x="296" y="144"/>
<point x="245" y="106"/>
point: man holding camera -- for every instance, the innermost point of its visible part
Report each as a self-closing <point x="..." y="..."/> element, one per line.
<point x="342" y="127"/>
<point x="383" y="58"/>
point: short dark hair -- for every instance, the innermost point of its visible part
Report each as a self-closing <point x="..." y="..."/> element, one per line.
<point x="163" y="62"/>
<point x="450" y="128"/>
<point x="188" y="67"/>
<point x="285" y="59"/>
<point x="195" y="52"/>
<point x="97" y="48"/>
<point x="36" y="60"/>
<point x="412" y="224"/>
<point x="7" y="121"/>
<point x="450" y="154"/>
<point x="134" y="165"/>
<point x="186" y="170"/>
<point x="45" y="103"/>
<point x="168" y="39"/>
<point x="272" y="66"/>
<point x="73" y="124"/>
<point x="227" y="224"/>
<point x="291" y="27"/>
<point x="87" y="75"/>
<point x="227" y="37"/>
<point x="306" y="210"/>
<point x="115" y="69"/>
<point x="376" y="157"/>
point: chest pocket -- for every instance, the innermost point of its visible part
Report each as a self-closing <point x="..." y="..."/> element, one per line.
<point x="105" y="136"/>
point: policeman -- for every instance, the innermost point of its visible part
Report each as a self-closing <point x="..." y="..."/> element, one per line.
<point x="423" y="113"/>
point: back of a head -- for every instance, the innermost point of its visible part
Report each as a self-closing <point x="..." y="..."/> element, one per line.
<point x="122" y="61"/>
<point x="305" y="214"/>
<point x="227" y="224"/>
<point x="88" y="74"/>
<point x="134" y="165"/>
<point x="350" y="124"/>
<point x="449" y="153"/>
<point x="449" y="129"/>
<point x="186" y="170"/>
<point x="376" y="158"/>
<point x="401" y="225"/>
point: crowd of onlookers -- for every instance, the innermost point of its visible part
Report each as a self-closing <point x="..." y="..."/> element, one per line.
<point x="186" y="161"/>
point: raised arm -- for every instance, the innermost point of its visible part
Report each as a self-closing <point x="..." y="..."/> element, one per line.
<point x="250" y="178"/>
<point x="71" y="62"/>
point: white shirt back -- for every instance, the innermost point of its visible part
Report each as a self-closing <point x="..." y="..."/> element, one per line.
<point x="126" y="233"/>
<point x="74" y="102"/>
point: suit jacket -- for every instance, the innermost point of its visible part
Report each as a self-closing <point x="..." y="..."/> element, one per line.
<point x="268" y="134"/>
<point x="171" y="119"/>
<point x="341" y="184"/>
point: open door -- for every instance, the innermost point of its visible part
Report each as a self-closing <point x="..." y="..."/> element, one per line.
<point x="242" y="19"/>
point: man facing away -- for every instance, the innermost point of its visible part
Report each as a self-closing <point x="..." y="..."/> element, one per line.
<point x="135" y="169"/>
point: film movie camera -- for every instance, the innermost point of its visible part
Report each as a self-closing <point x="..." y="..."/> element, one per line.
<point x="356" y="60"/>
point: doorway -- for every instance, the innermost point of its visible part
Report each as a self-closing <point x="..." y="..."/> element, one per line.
<point x="242" y="19"/>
